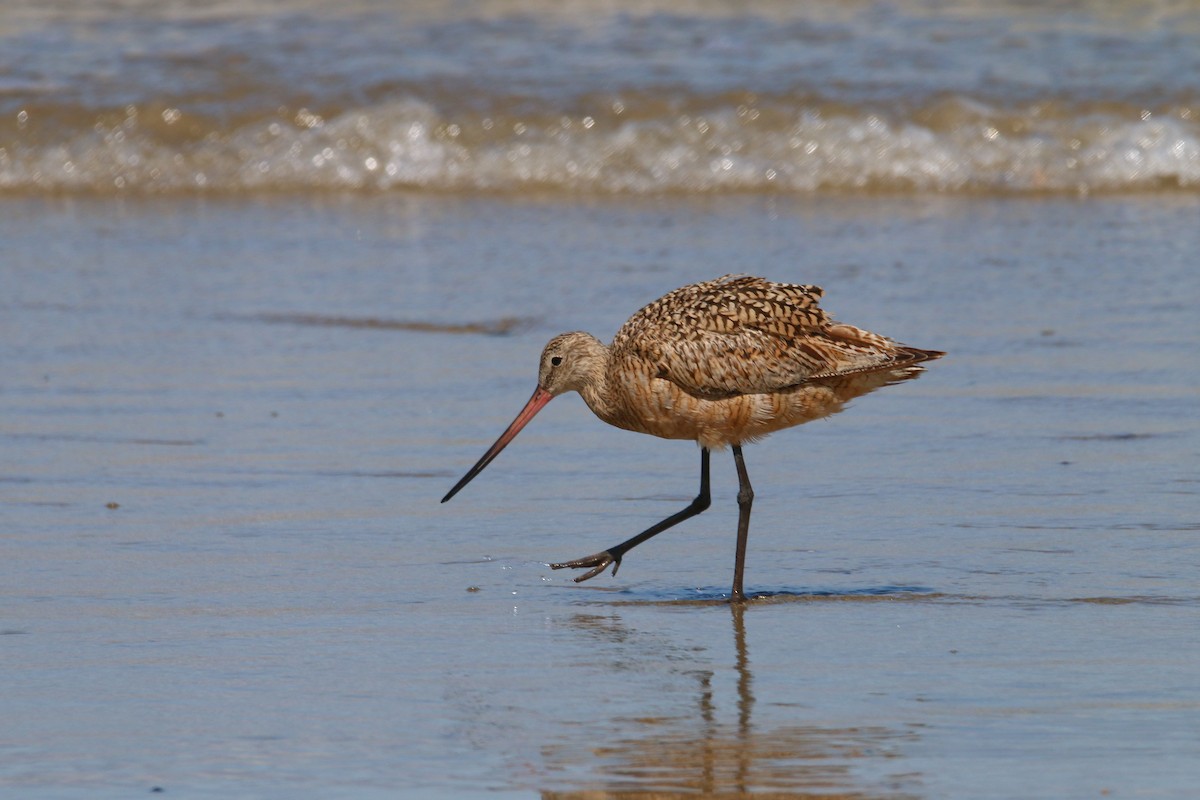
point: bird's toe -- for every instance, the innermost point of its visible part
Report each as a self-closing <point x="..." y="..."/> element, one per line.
<point x="597" y="563"/>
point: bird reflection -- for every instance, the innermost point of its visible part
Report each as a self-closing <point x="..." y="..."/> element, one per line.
<point x="703" y="755"/>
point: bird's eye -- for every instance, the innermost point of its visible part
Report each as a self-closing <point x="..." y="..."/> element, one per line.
<point x="556" y="360"/>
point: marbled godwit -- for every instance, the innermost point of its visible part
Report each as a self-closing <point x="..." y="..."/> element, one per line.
<point x="722" y="362"/>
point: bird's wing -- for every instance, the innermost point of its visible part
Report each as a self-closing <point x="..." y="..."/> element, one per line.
<point x="745" y="335"/>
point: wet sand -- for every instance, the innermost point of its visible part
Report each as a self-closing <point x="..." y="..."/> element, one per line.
<point x="226" y="427"/>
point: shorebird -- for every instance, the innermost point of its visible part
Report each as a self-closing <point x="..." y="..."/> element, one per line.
<point x="723" y="362"/>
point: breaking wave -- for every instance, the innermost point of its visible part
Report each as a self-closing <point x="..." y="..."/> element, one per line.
<point x="635" y="145"/>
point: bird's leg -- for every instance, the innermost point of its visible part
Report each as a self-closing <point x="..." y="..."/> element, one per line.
<point x="612" y="555"/>
<point x="745" y="499"/>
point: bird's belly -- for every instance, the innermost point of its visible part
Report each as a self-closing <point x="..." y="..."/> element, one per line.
<point x="661" y="408"/>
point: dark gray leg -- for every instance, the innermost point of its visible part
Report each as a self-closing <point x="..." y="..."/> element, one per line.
<point x="613" y="555"/>
<point x="745" y="500"/>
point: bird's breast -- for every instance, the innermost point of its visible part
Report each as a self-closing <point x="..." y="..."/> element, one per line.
<point x="640" y="401"/>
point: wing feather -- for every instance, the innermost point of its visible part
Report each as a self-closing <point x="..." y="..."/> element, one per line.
<point x="745" y="335"/>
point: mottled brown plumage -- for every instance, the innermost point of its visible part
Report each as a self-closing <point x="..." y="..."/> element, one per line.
<point x="722" y="362"/>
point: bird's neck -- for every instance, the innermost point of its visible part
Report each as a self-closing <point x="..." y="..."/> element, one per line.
<point x="596" y="389"/>
<point x="598" y="398"/>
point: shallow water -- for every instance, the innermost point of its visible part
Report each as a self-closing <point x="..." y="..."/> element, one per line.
<point x="226" y="426"/>
<point x="276" y="272"/>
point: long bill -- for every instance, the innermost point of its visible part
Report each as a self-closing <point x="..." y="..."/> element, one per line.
<point x="536" y="403"/>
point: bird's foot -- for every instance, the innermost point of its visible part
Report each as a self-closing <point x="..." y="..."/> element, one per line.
<point x="597" y="562"/>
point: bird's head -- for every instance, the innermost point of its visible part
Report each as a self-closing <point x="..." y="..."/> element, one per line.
<point x="570" y="361"/>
